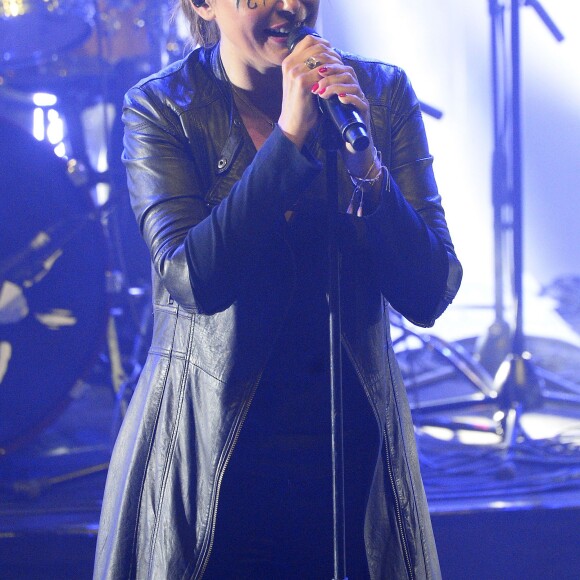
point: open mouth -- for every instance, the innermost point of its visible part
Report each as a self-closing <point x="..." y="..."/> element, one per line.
<point x="283" y="31"/>
<point x="278" y="32"/>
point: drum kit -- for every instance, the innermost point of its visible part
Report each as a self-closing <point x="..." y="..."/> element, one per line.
<point x="69" y="253"/>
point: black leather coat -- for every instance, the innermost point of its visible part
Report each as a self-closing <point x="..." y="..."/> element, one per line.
<point x="211" y="211"/>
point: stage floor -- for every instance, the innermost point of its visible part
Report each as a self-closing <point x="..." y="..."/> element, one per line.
<point x="499" y="512"/>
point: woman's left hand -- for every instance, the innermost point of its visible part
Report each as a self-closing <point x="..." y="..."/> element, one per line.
<point x="339" y="79"/>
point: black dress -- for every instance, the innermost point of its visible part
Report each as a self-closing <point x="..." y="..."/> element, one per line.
<point x="275" y="511"/>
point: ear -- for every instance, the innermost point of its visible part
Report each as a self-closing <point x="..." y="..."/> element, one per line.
<point x="203" y="9"/>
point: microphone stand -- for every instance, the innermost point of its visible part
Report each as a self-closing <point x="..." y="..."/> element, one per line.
<point x="331" y="142"/>
<point x="507" y="181"/>
<point x="492" y="349"/>
<point x="517" y="383"/>
<point x="518" y="386"/>
<point x="331" y="145"/>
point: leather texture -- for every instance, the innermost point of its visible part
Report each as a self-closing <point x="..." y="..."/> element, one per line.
<point x="211" y="210"/>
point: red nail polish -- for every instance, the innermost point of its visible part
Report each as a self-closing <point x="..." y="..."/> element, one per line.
<point x="323" y="69"/>
<point x="314" y="87"/>
<point x="342" y="95"/>
<point x="322" y="91"/>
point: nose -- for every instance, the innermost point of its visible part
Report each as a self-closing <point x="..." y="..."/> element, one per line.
<point x="290" y="5"/>
<point x="295" y="7"/>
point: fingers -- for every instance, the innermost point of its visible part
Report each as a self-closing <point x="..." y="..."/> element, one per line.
<point x="341" y="80"/>
<point x="309" y="54"/>
<point x="300" y="112"/>
<point x="336" y="78"/>
<point x="317" y="65"/>
<point x="314" y="68"/>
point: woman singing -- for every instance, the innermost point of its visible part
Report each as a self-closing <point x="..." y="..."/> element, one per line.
<point x="222" y="468"/>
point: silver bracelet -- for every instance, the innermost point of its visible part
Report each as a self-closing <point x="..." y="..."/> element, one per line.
<point x="358" y="181"/>
<point x="362" y="184"/>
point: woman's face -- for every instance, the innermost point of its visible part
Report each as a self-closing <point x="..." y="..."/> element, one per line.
<point x="254" y="32"/>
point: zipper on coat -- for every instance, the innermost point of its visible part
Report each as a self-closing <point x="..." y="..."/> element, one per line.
<point x="205" y="558"/>
<point x="398" y="509"/>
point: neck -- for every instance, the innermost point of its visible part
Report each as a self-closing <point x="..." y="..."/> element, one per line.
<point x="263" y="89"/>
<point x="248" y="77"/>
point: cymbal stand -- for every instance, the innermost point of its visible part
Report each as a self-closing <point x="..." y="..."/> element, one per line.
<point x="518" y="385"/>
<point x="493" y="347"/>
<point x="507" y="179"/>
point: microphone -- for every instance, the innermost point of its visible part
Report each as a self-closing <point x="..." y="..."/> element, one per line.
<point x="346" y="118"/>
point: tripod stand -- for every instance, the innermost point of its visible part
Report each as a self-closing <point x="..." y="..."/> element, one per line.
<point x="518" y="385"/>
<point x="521" y="386"/>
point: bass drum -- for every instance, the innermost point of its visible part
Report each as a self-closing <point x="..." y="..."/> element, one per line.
<point x="53" y="301"/>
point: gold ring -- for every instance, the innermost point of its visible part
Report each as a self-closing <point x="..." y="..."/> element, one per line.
<point x="312" y="62"/>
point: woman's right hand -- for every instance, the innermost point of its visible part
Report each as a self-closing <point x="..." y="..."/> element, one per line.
<point x="300" y="112"/>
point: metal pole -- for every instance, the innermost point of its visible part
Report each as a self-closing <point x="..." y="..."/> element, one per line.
<point x="517" y="197"/>
<point x="492" y="349"/>
<point x="517" y="383"/>
<point x="335" y="370"/>
<point x="518" y="338"/>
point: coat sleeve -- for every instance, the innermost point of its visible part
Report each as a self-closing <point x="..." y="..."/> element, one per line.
<point x="201" y="255"/>
<point x="406" y="233"/>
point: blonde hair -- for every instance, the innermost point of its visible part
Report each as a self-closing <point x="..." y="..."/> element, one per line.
<point x="203" y="33"/>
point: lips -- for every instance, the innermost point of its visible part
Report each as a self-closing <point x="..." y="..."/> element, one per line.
<point x="283" y="30"/>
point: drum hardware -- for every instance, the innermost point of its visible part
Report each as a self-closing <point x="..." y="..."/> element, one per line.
<point x="119" y="32"/>
<point x="49" y="229"/>
<point x="118" y="374"/>
<point x="34" y="261"/>
<point x="519" y="383"/>
<point x="459" y="361"/>
<point x="514" y="384"/>
<point x="98" y="68"/>
<point x="32" y="30"/>
<point x="127" y="381"/>
<point x="52" y="247"/>
<point x="426" y="360"/>
<point x="34" y="487"/>
<point x="123" y="34"/>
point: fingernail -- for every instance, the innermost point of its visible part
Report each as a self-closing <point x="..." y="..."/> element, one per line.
<point x="342" y="95"/>
<point x="323" y="69"/>
<point x="314" y="87"/>
<point x="322" y="91"/>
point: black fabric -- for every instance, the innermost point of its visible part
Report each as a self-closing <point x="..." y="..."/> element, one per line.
<point x="213" y="331"/>
<point x="275" y="517"/>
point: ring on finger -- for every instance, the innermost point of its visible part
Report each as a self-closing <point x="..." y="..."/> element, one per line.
<point x="312" y="62"/>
